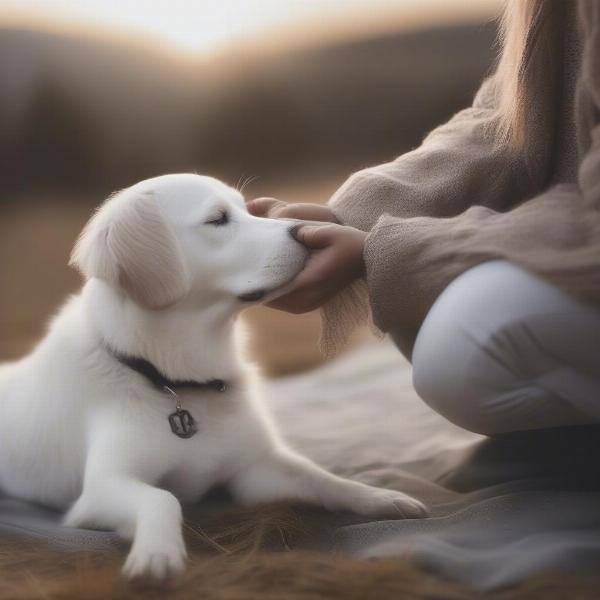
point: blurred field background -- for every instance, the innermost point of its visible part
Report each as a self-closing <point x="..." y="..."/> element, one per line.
<point x="292" y="105"/>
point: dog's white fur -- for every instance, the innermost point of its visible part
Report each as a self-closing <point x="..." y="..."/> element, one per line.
<point x="80" y="431"/>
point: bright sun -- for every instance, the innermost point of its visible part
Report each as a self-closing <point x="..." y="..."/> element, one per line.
<point x="192" y="25"/>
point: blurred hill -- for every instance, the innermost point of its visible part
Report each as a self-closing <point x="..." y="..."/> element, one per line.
<point x="82" y="114"/>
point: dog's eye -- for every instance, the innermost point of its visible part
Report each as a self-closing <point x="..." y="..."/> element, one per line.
<point x="222" y="219"/>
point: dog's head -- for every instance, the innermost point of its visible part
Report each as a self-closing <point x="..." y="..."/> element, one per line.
<point x="186" y="236"/>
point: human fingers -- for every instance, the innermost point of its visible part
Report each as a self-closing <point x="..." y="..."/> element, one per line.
<point x="304" y="211"/>
<point x="316" y="237"/>
<point x="262" y="207"/>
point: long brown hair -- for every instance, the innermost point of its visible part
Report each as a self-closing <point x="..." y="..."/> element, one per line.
<point x="529" y="35"/>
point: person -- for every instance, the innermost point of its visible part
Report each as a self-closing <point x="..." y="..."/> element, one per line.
<point x="481" y="248"/>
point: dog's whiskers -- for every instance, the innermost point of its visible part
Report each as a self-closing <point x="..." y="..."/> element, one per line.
<point x="245" y="182"/>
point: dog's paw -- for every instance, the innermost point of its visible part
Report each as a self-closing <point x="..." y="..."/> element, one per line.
<point x="389" y="504"/>
<point x="157" y="562"/>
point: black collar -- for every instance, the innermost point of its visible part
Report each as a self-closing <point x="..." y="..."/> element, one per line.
<point x="159" y="381"/>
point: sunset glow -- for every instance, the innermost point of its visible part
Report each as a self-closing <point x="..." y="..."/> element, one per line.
<point x="201" y="26"/>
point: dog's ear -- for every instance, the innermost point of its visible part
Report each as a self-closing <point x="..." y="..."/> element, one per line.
<point x="127" y="243"/>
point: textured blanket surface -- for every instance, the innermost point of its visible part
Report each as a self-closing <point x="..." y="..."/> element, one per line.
<point x="502" y="510"/>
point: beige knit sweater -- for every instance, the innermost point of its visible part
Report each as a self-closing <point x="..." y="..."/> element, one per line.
<point x="462" y="198"/>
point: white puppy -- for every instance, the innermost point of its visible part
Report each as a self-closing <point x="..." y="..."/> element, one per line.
<point x="137" y="398"/>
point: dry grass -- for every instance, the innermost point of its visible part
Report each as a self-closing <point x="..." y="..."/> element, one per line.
<point x="245" y="556"/>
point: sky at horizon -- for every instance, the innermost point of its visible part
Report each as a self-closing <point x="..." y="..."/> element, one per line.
<point x="204" y="26"/>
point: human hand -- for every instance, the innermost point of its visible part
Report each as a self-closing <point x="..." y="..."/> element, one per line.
<point x="278" y="209"/>
<point x="335" y="261"/>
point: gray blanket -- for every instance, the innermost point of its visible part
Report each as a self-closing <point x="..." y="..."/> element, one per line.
<point x="501" y="509"/>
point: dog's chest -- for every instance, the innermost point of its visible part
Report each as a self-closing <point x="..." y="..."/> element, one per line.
<point x="199" y="466"/>
<point x="224" y="439"/>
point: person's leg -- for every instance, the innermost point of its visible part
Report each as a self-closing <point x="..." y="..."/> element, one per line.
<point x="502" y="350"/>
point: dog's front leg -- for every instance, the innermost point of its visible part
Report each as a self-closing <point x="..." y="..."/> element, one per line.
<point x="147" y="515"/>
<point x="115" y="498"/>
<point x="285" y="475"/>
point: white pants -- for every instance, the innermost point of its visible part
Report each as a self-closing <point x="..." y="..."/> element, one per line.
<point x="502" y="350"/>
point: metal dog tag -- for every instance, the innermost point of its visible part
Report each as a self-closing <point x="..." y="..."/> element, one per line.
<point x="182" y="423"/>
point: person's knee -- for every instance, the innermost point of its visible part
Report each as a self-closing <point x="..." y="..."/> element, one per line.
<point x="458" y="367"/>
<point x="476" y="406"/>
<point x="447" y="385"/>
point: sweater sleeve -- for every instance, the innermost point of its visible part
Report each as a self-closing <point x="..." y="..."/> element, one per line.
<point x="403" y="202"/>
<point x="445" y="207"/>
<point x="556" y="235"/>
<point x="457" y="165"/>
